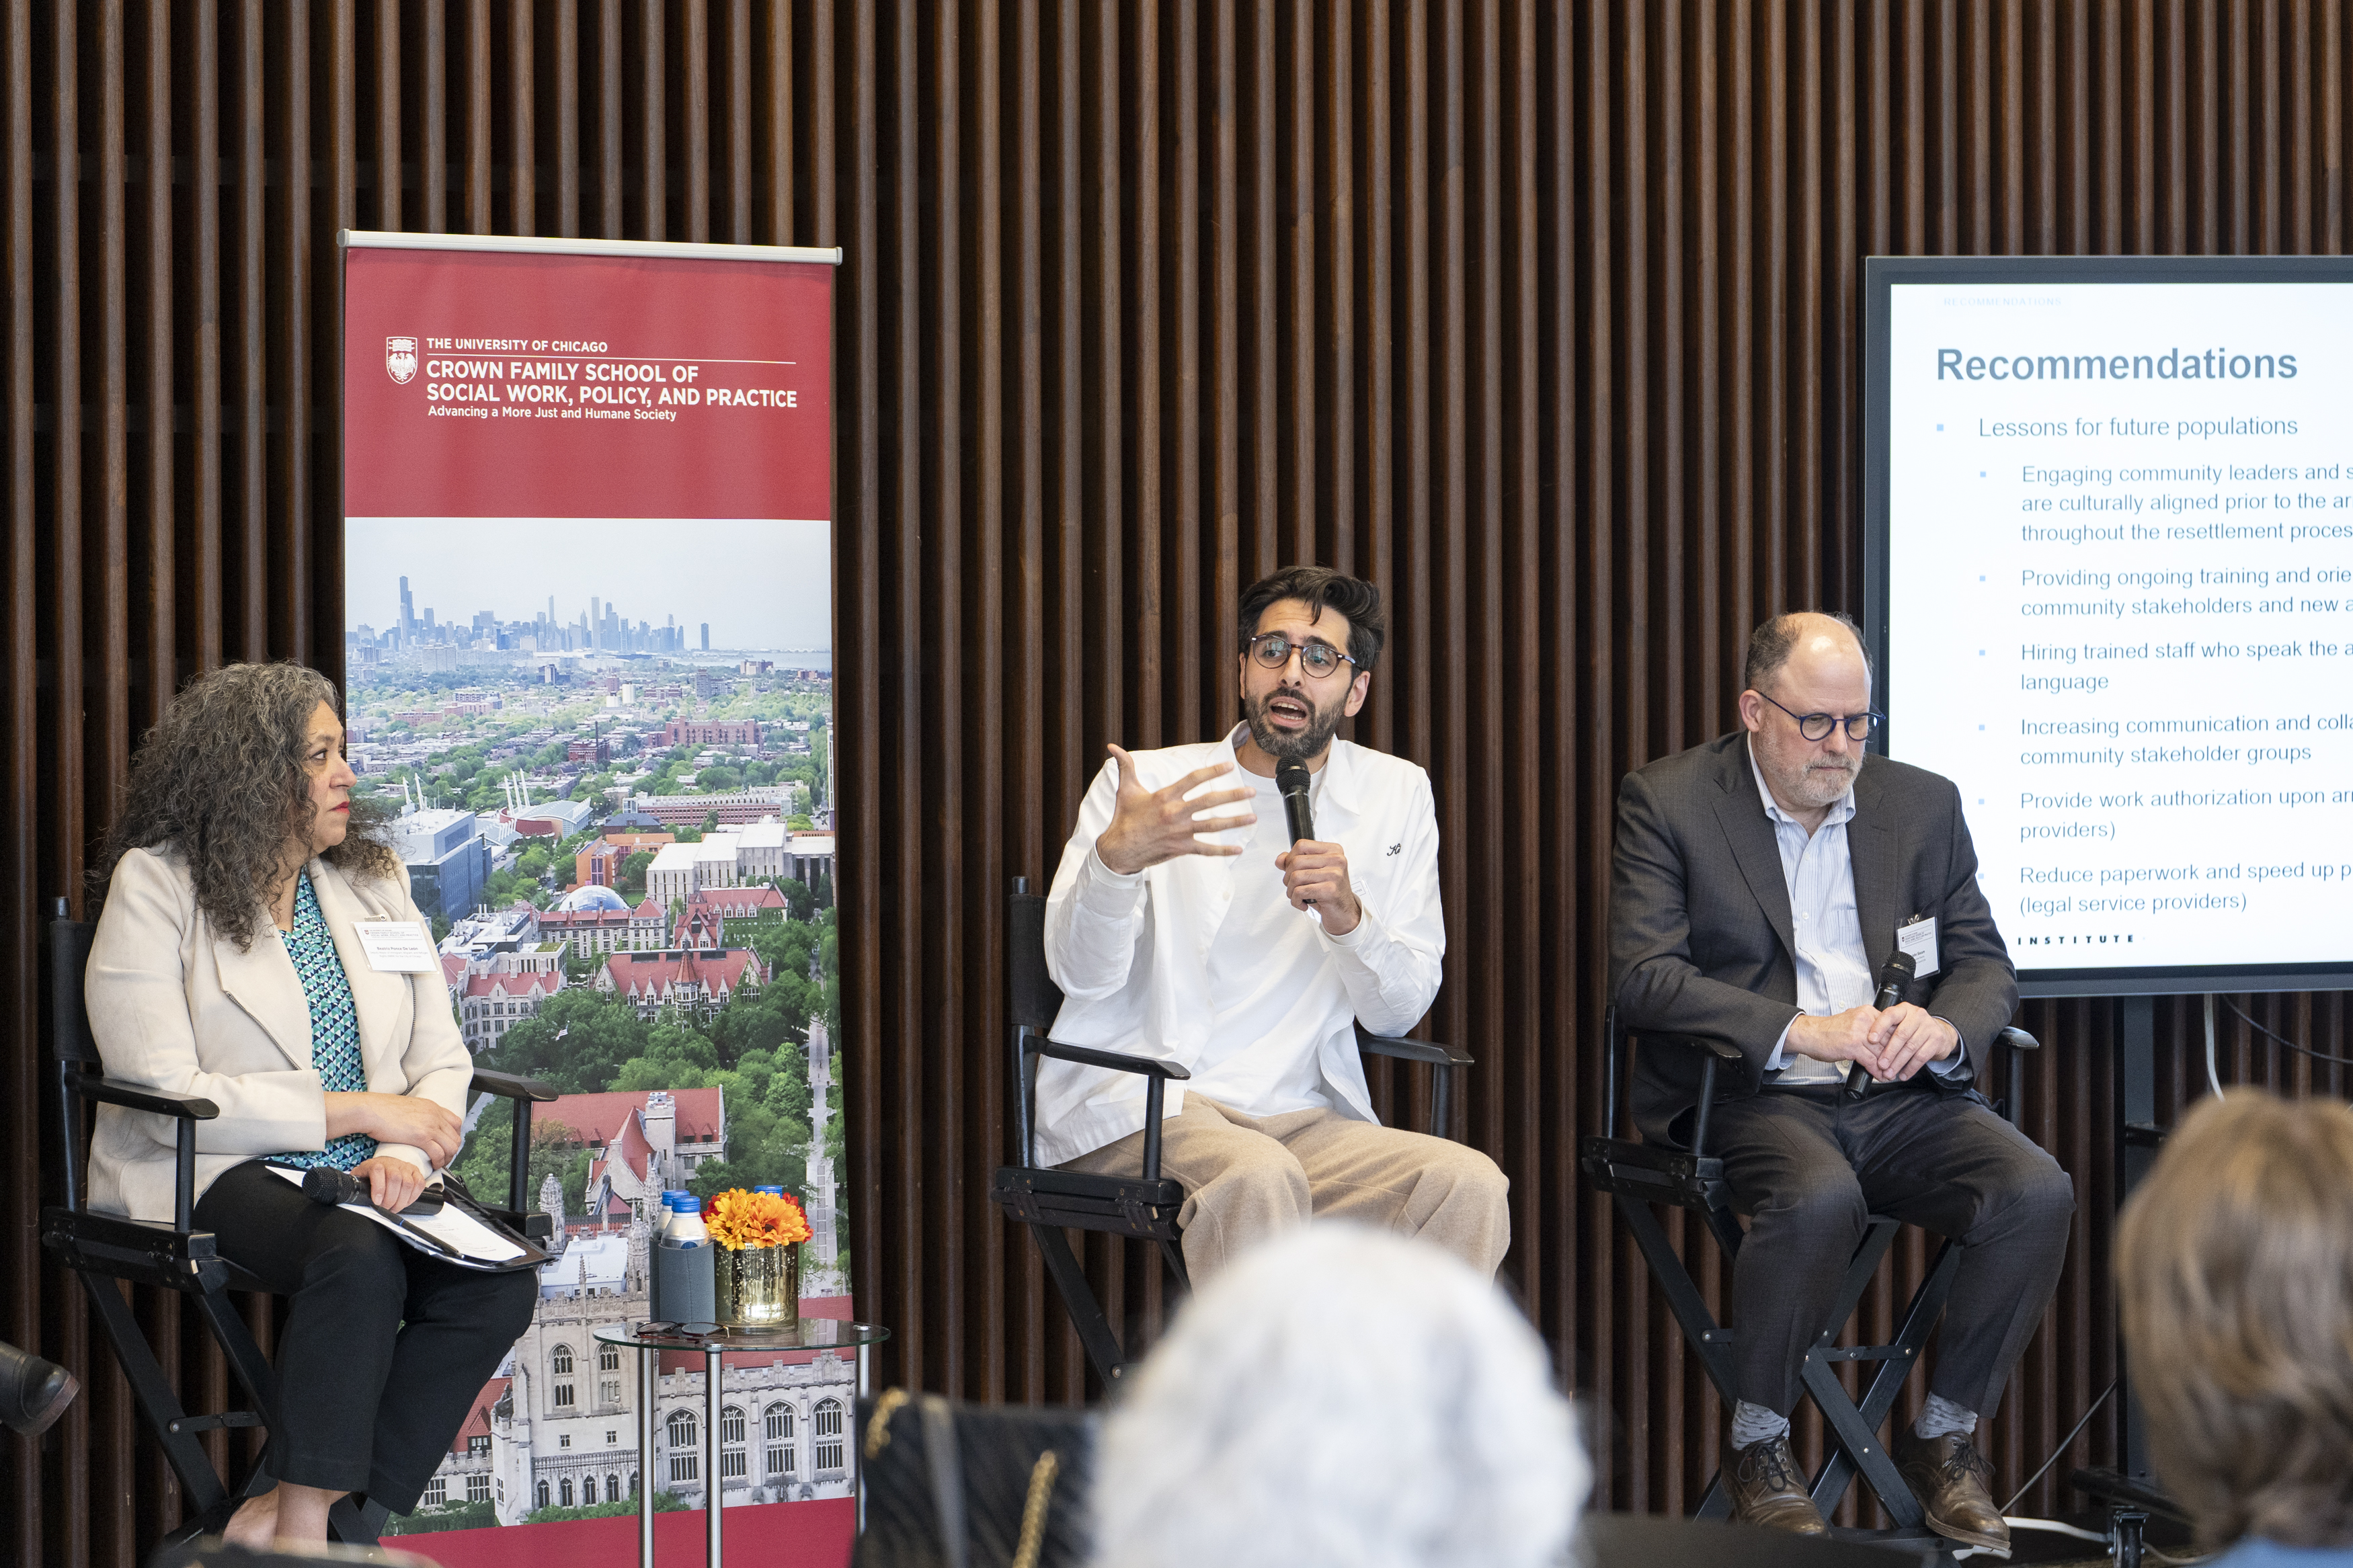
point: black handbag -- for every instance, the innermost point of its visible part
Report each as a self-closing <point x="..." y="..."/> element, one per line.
<point x="973" y="1485"/>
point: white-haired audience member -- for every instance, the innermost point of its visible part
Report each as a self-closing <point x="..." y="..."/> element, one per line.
<point x="1346" y="1398"/>
<point x="2234" y="1263"/>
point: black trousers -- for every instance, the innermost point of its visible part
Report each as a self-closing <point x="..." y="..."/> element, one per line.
<point x="383" y="1349"/>
<point x="1808" y="1167"/>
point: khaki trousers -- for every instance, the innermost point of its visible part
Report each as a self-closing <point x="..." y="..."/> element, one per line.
<point x="1248" y="1177"/>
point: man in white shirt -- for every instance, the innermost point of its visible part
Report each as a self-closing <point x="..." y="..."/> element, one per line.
<point x="1184" y="925"/>
<point x="1760" y="881"/>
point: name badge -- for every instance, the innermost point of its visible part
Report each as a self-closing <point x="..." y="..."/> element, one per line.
<point x="398" y="947"/>
<point x="1919" y="939"/>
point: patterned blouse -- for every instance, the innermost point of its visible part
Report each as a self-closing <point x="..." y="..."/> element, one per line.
<point x="334" y="1025"/>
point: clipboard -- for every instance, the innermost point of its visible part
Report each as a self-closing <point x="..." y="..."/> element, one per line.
<point x="463" y="1233"/>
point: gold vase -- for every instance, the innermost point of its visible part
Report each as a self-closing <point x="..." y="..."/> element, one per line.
<point x="759" y="1288"/>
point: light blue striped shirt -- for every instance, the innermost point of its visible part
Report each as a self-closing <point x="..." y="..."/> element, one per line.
<point x="1833" y="966"/>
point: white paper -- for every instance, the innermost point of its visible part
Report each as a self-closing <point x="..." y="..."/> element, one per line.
<point x="398" y="947"/>
<point x="452" y="1225"/>
<point x="1919" y="939"/>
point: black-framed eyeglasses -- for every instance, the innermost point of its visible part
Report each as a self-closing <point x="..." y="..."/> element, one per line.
<point x="1273" y="650"/>
<point x="1818" y="726"/>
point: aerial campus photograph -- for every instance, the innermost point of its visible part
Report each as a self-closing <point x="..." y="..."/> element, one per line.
<point x="609" y="773"/>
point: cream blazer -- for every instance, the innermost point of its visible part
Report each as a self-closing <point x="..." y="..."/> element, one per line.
<point x="175" y="1007"/>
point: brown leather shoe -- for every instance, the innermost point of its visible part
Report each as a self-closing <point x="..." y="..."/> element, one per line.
<point x="1768" y="1489"/>
<point x="1953" y="1482"/>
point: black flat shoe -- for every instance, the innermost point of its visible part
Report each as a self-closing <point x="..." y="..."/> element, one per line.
<point x="32" y="1393"/>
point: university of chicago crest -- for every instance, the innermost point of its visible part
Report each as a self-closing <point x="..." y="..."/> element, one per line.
<point x="400" y="359"/>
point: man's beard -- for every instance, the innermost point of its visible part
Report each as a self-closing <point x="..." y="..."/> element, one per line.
<point x="1821" y="786"/>
<point x="1285" y="745"/>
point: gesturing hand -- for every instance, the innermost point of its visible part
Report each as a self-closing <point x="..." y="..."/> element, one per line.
<point x="1148" y="827"/>
<point x="1314" y="872"/>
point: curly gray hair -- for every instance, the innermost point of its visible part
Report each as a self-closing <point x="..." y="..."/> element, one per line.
<point x="219" y="779"/>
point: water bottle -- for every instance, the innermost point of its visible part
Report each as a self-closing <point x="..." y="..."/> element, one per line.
<point x="685" y="1227"/>
<point x="684" y="1290"/>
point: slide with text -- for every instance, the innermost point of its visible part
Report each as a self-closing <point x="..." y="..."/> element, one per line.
<point x="2120" y="609"/>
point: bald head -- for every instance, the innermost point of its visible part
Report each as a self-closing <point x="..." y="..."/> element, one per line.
<point x="1812" y="637"/>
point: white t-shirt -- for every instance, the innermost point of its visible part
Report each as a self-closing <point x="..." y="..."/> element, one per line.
<point x="1272" y="985"/>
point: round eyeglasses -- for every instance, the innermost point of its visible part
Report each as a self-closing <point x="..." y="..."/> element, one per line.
<point x="1818" y="726"/>
<point x="1273" y="650"/>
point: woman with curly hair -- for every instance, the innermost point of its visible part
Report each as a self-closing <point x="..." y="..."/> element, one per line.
<point x="228" y="964"/>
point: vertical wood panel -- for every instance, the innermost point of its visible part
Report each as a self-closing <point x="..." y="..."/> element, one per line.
<point x="158" y="357"/>
<point x="20" y="867"/>
<point x="1542" y="316"/>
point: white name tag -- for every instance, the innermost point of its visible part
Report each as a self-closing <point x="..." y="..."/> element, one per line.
<point x="1919" y="939"/>
<point x="398" y="947"/>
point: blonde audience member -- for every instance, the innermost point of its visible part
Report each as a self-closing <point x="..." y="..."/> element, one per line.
<point x="1345" y="1397"/>
<point x="2234" y="1261"/>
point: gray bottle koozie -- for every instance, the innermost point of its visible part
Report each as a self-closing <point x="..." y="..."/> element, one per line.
<point x="684" y="1290"/>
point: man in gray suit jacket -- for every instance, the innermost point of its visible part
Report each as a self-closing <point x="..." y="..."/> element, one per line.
<point x="1760" y="881"/>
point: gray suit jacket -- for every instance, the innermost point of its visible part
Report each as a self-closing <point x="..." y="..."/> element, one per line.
<point x="1700" y="935"/>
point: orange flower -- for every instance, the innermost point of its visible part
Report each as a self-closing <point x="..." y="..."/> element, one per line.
<point x="738" y="1219"/>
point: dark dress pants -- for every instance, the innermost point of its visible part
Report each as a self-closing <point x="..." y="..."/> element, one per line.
<point x="383" y="1349"/>
<point x="1808" y="1166"/>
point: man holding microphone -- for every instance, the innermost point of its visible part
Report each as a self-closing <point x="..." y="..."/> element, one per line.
<point x="1184" y="925"/>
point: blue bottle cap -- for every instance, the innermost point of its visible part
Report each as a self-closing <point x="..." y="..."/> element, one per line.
<point x="772" y="1192"/>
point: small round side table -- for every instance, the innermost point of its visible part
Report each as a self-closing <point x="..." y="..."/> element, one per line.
<point x="713" y="1343"/>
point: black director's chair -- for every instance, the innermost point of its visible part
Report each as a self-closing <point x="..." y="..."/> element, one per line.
<point x="1639" y="1175"/>
<point x="102" y="1247"/>
<point x="1049" y="1201"/>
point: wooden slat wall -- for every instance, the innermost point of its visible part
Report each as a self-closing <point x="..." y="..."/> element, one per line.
<point x="1543" y="316"/>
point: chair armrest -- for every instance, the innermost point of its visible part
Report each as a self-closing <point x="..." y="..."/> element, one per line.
<point x="1410" y="1050"/>
<point x="1115" y="1060"/>
<point x="1722" y="1050"/>
<point x="510" y="1086"/>
<point x="1715" y="1054"/>
<point x="138" y="1097"/>
<point x="2013" y="1103"/>
<point x="1156" y="1075"/>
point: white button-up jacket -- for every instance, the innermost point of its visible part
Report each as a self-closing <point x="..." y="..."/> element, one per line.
<point x="1133" y="966"/>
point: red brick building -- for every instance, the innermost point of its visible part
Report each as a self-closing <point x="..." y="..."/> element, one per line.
<point x="652" y="981"/>
<point x="711" y="733"/>
<point x="599" y="865"/>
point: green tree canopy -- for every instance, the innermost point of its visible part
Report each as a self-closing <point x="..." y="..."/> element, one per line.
<point x="577" y="1043"/>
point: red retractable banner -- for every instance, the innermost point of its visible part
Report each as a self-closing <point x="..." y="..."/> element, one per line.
<point x="587" y="499"/>
<point x="525" y="384"/>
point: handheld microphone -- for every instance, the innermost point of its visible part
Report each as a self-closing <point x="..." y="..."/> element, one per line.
<point x="326" y="1185"/>
<point x="1290" y="778"/>
<point x="1894" y="976"/>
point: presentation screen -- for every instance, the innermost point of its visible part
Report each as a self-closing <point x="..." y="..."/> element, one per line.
<point x="2109" y="558"/>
